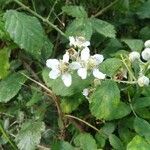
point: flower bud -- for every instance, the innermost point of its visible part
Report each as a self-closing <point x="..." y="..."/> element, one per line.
<point x="143" y="80"/>
<point x="146" y="54"/>
<point x="134" y="56"/>
<point x="147" y="44"/>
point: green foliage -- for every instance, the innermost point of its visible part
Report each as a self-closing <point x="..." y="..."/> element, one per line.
<point x="10" y="86"/>
<point x="4" y="62"/>
<point x="115" y="142"/>
<point x="85" y="141"/>
<point x="91" y="114"/>
<point x="111" y="66"/>
<point x="30" y="134"/>
<point x="142" y="127"/>
<point x="106" y="100"/>
<point x="138" y="143"/>
<point x="75" y="11"/>
<point x="134" y="44"/>
<point x="103" y="28"/>
<point x="143" y="11"/>
<point x="62" y="145"/>
<point x="80" y="27"/>
<point x="26" y="31"/>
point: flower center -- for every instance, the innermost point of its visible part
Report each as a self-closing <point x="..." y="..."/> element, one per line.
<point x="63" y="67"/>
<point x="91" y="63"/>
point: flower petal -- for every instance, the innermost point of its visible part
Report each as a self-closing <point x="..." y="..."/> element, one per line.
<point x="86" y="44"/>
<point x="143" y="80"/>
<point x="75" y="65"/>
<point x="134" y="56"/>
<point x="82" y="72"/>
<point x="98" y="74"/>
<point x="85" y="54"/>
<point x="66" y="57"/>
<point x="99" y="58"/>
<point x="52" y="63"/>
<point x="146" y="54"/>
<point x="54" y="74"/>
<point x="67" y="79"/>
<point x="72" y="41"/>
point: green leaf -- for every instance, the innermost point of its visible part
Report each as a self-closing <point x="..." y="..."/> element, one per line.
<point x="141" y="102"/>
<point x="143" y="112"/>
<point x="145" y="33"/>
<point x="100" y="140"/>
<point x="134" y="44"/>
<point x="115" y="142"/>
<point x="75" y="11"/>
<point x="103" y="28"/>
<point x="60" y="89"/>
<point x="143" y="11"/>
<point x="4" y="62"/>
<point x="122" y="110"/>
<point x="80" y="27"/>
<point x="62" y="145"/>
<point x="47" y="49"/>
<point x="30" y="134"/>
<point x="105" y="100"/>
<point x="26" y="31"/>
<point x="108" y="128"/>
<point x="138" y="143"/>
<point x="10" y="86"/>
<point x="85" y="141"/>
<point x="142" y="127"/>
<point x="69" y="104"/>
<point x="111" y="66"/>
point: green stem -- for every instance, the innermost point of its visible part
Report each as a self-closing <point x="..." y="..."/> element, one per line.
<point x="7" y="137"/>
<point x="129" y="98"/>
<point x="88" y="124"/>
<point x="126" y="82"/>
<point x="40" y="17"/>
<point x="129" y="70"/>
<point x="104" y="9"/>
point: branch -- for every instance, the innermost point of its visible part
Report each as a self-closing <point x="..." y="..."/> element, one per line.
<point x="40" y="17"/>
<point x="50" y="94"/>
<point x="88" y="124"/>
<point x="104" y="9"/>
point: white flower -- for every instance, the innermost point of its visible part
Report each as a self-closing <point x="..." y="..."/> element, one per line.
<point x="88" y="62"/>
<point x="147" y="44"/>
<point x="134" y="56"/>
<point x="79" y="42"/>
<point x="85" y="92"/>
<point x="60" y="68"/>
<point x="146" y="54"/>
<point x="143" y="80"/>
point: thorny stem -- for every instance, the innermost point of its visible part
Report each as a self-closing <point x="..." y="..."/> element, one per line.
<point x="104" y="9"/>
<point x="129" y="70"/>
<point x="126" y="82"/>
<point x="7" y="137"/>
<point x="88" y="124"/>
<point x="50" y="94"/>
<point x="129" y="98"/>
<point x="40" y="17"/>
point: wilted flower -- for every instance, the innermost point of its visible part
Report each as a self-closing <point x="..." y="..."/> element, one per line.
<point x="88" y="62"/>
<point x="143" y="80"/>
<point x="134" y="56"/>
<point x="147" y="44"/>
<point x="146" y="54"/>
<point x="60" y="68"/>
<point x="79" y="42"/>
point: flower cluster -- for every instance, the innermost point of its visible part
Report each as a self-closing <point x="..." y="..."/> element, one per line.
<point x="145" y="54"/>
<point x="76" y="58"/>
